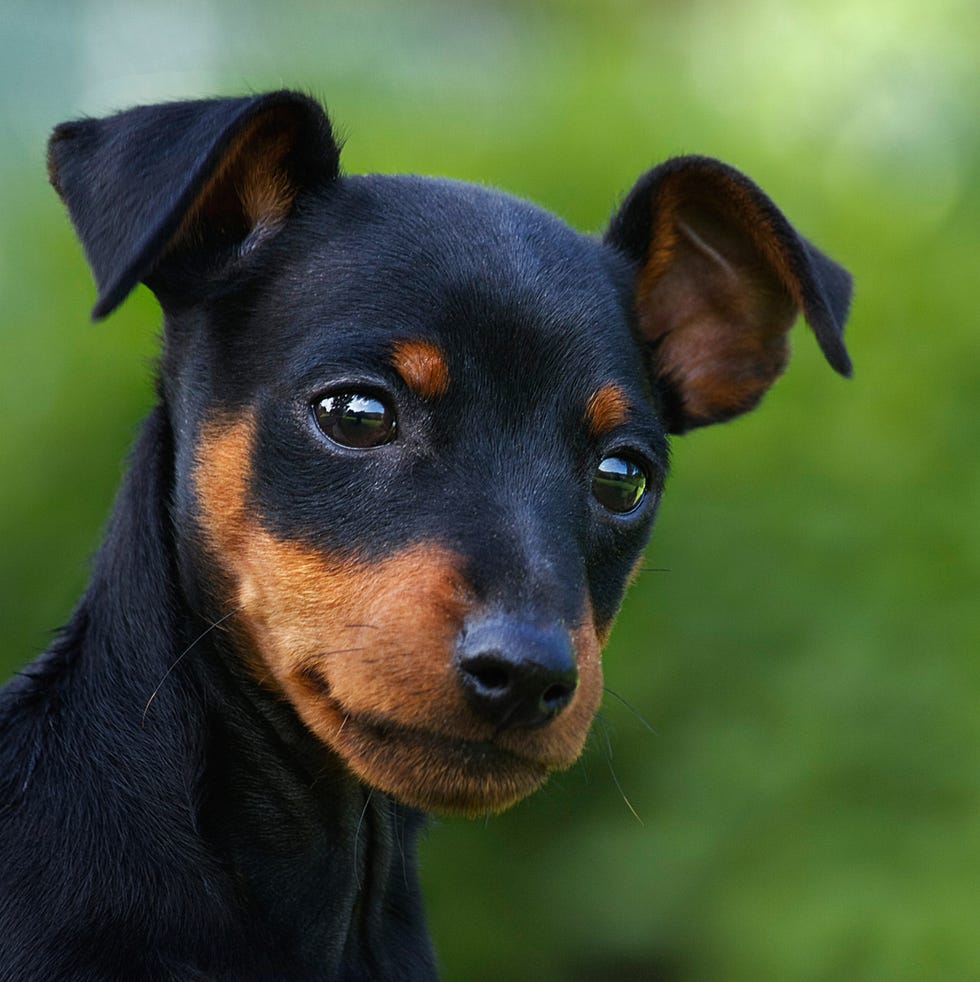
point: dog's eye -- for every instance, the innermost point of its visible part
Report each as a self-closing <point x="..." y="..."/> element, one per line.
<point x="355" y="420"/>
<point x="619" y="484"/>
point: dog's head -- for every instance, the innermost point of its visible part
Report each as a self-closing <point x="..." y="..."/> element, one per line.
<point x="420" y="426"/>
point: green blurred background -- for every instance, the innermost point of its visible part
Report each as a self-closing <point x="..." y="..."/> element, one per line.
<point x="809" y="800"/>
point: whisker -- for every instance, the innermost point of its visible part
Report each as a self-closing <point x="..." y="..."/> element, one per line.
<point x="399" y="826"/>
<point x="612" y="770"/>
<point x="180" y="657"/>
<point x="357" y="834"/>
<point x="654" y="569"/>
<point x="632" y="709"/>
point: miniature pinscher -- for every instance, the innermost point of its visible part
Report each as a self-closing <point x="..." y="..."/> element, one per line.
<point x="410" y="440"/>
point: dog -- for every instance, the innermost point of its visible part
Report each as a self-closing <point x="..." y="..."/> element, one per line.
<point x="410" y="440"/>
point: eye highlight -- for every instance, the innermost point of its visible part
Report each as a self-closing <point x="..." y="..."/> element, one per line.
<point x="619" y="484"/>
<point x="356" y="420"/>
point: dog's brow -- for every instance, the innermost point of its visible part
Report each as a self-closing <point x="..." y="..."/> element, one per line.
<point x="423" y="367"/>
<point x="607" y="408"/>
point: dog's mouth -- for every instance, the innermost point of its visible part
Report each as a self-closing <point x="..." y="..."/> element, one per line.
<point x="434" y="771"/>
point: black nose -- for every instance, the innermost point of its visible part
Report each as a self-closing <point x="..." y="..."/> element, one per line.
<point x="515" y="673"/>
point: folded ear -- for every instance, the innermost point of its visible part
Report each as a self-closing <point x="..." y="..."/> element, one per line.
<point x="185" y="182"/>
<point x="721" y="277"/>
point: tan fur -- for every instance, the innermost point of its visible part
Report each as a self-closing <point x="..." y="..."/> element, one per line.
<point x="607" y="408"/>
<point x="422" y="365"/>
<point x="251" y="182"/>
<point x="364" y="652"/>
<point x="721" y="335"/>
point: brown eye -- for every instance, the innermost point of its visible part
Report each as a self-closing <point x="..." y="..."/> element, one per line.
<point x="355" y="420"/>
<point x="619" y="484"/>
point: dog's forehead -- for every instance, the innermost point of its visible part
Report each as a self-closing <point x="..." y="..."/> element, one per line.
<point x="457" y="226"/>
<point x="476" y="270"/>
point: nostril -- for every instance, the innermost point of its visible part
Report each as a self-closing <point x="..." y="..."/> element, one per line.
<point x="556" y="696"/>
<point x="490" y="674"/>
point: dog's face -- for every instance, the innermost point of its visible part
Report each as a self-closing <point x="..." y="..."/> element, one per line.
<point x="422" y="427"/>
<point x="427" y="451"/>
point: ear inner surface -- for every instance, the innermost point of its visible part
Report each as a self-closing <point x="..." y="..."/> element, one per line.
<point x="713" y="307"/>
<point x="722" y="277"/>
<point x="250" y="193"/>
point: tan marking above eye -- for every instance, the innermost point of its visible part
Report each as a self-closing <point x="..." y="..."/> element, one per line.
<point x="364" y="651"/>
<point x="422" y="366"/>
<point x="607" y="408"/>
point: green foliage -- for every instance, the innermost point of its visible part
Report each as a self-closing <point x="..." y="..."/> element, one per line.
<point x="804" y="643"/>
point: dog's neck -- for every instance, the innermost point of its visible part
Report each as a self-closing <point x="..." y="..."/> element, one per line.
<point x="324" y="859"/>
<point x="240" y="801"/>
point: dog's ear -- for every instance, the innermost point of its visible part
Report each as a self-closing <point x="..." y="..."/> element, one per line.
<point x="156" y="190"/>
<point x="721" y="276"/>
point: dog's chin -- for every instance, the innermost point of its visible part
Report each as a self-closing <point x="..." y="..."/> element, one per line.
<point x="435" y="772"/>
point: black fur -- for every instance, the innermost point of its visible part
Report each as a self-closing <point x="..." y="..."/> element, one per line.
<point x="163" y="814"/>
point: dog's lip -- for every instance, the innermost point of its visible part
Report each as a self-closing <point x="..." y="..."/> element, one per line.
<point x="435" y="771"/>
<point x="383" y="729"/>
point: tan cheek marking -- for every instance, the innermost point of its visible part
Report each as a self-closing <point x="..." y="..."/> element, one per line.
<point x="309" y="616"/>
<point x="606" y="409"/>
<point x="345" y="641"/>
<point x="422" y="365"/>
<point x="221" y="480"/>
<point x="364" y="653"/>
